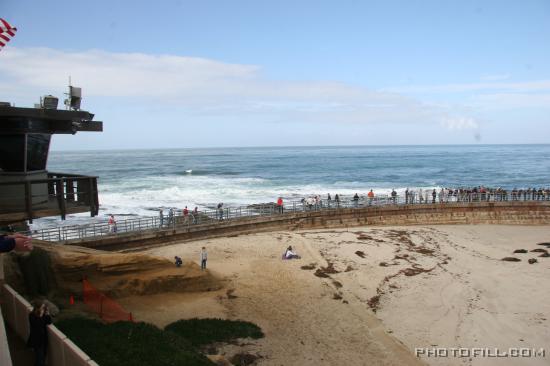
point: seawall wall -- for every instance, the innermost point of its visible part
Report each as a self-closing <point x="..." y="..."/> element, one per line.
<point x="510" y="213"/>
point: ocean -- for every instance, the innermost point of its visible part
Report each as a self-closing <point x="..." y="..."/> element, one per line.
<point x="139" y="182"/>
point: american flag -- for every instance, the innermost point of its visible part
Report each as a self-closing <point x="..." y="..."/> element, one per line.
<point x="6" y="33"/>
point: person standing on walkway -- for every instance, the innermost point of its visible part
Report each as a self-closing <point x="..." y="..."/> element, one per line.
<point x="434" y="194"/>
<point x="220" y="210"/>
<point x="393" y="196"/>
<point x="185" y="215"/>
<point x="170" y="216"/>
<point x="280" y="206"/>
<point x="356" y="200"/>
<point x="112" y="224"/>
<point x="39" y="318"/>
<point x="407" y="196"/>
<point x="204" y="258"/>
<point x="161" y="217"/>
<point x="370" y="195"/>
<point x="195" y="214"/>
<point x="337" y="199"/>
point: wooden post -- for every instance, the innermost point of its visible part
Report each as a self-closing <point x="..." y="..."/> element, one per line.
<point x="28" y="200"/>
<point x="60" y="197"/>
<point x="70" y="190"/>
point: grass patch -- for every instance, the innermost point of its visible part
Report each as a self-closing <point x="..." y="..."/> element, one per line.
<point x="131" y="344"/>
<point x="205" y="331"/>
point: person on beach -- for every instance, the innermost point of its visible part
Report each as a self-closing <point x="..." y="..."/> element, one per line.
<point x="434" y="194"/>
<point x="290" y="254"/>
<point x="420" y="195"/>
<point x="407" y="196"/>
<point x="393" y="196"/>
<point x="161" y="218"/>
<point x="280" y="206"/>
<point x="204" y="258"/>
<point x="39" y="318"/>
<point x="178" y="261"/>
<point x="370" y="195"/>
<point x="337" y="200"/>
<point x="112" y="224"/>
<point x="355" y="200"/>
<point x="17" y="242"/>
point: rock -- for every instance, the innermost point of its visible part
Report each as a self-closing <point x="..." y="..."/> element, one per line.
<point x="123" y="274"/>
<point x="360" y="253"/>
<point x="545" y="244"/>
<point x="308" y="267"/>
<point x="243" y="359"/>
<point x="539" y="250"/>
<point x="511" y="259"/>
<point x="520" y="251"/>
<point x="544" y="255"/>
<point x="532" y="260"/>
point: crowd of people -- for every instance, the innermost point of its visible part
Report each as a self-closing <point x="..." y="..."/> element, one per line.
<point x="184" y="216"/>
<point x="441" y="195"/>
<point x="409" y="196"/>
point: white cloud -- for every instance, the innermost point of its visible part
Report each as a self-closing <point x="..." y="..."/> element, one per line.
<point x="495" y="77"/>
<point x="527" y="86"/>
<point x="205" y="86"/>
<point x="459" y="123"/>
<point x="507" y="101"/>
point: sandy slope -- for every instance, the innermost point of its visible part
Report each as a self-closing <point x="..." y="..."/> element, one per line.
<point x="440" y="285"/>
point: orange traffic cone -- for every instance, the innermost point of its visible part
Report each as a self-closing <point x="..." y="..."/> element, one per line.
<point x="71" y="300"/>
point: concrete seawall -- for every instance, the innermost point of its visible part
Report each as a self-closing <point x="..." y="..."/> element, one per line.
<point x="509" y="212"/>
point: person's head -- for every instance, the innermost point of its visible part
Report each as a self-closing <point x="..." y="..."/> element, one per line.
<point x="289" y="247"/>
<point x="38" y="307"/>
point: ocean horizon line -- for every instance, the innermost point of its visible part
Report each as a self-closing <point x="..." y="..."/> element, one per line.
<point x="294" y="147"/>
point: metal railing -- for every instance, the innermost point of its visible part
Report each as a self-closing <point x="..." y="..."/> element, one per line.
<point x="219" y="216"/>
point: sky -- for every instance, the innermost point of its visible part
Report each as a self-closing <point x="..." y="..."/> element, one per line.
<point x="185" y="74"/>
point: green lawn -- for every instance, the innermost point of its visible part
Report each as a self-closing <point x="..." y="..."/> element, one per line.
<point x="133" y="344"/>
<point x="205" y="331"/>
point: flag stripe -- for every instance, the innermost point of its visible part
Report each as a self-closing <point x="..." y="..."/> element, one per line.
<point x="7" y="32"/>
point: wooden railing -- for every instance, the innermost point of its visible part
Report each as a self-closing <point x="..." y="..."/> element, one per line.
<point x="59" y="193"/>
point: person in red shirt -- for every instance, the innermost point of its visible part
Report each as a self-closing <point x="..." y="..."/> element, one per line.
<point x="280" y="206"/>
<point x="185" y="215"/>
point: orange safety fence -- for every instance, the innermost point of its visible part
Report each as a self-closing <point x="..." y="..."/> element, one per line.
<point x="108" y="309"/>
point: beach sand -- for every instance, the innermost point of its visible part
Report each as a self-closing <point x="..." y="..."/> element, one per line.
<point x="371" y="295"/>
